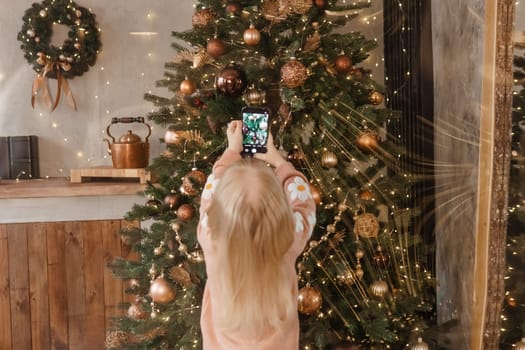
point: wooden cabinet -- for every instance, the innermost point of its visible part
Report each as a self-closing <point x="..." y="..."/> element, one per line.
<point x="55" y="289"/>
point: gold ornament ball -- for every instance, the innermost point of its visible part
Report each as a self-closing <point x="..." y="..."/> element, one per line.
<point x="309" y="300"/>
<point x="285" y="113"/>
<point x="379" y="288"/>
<point x="329" y="159"/>
<point x="254" y="97"/>
<point x="520" y="345"/>
<point x="359" y="253"/>
<point x="366" y="195"/>
<point x="376" y="98"/>
<point x="251" y="36"/>
<point x="368" y="141"/>
<point x="161" y="291"/>
<point x="366" y="225"/>
<point x="419" y="345"/>
<point x="186" y="212"/>
<point x="216" y="47"/>
<point x="343" y="64"/>
<point x="187" y="87"/>
<point x="136" y="312"/>
<point x="202" y="18"/>
<point x="172" y="200"/>
<point x="316" y="194"/>
<point x="293" y="73"/>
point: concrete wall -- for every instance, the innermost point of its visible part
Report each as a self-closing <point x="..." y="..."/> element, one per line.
<point x="127" y="67"/>
<point x="458" y="59"/>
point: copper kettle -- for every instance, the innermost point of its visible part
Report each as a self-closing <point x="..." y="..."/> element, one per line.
<point x="130" y="151"/>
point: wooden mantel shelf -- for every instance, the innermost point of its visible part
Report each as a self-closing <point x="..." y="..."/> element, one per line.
<point x="61" y="187"/>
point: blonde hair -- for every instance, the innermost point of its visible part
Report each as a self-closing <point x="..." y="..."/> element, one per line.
<point x="252" y="228"/>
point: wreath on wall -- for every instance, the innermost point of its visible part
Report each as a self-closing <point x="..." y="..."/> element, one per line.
<point x="73" y="58"/>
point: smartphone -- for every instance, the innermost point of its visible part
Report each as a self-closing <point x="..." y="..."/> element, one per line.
<point x="255" y="129"/>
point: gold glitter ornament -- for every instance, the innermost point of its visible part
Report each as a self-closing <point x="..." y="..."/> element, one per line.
<point x="293" y="73"/>
<point x="366" y="225"/>
<point x="202" y="18"/>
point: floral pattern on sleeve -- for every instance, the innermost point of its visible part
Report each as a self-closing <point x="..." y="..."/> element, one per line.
<point x="209" y="187"/>
<point x="299" y="189"/>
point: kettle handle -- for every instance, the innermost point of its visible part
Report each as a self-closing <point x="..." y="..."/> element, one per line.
<point x="128" y="120"/>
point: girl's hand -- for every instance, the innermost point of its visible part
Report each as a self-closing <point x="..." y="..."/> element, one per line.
<point x="272" y="155"/>
<point x="234" y="133"/>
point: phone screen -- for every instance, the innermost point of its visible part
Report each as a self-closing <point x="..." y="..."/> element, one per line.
<point x="255" y="124"/>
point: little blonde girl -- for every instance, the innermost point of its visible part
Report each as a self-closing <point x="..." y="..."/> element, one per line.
<point x="255" y="221"/>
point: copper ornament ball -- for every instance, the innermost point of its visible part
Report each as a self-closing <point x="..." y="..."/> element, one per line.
<point x="375" y="98"/>
<point x="233" y="8"/>
<point x="186" y="212"/>
<point x="321" y="4"/>
<point x="329" y="159"/>
<point x="187" y="87"/>
<point x="343" y="64"/>
<point x="368" y="141"/>
<point x="231" y="81"/>
<point x="252" y="36"/>
<point x="293" y="73"/>
<point x="316" y="194"/>
<point x="161" y="292"/>
<point x="202" y="18"/>
<point x="172" y="200"/>
<point x="366" y="195"/>
<point x="379" y="288"/>
<point x="216" y="47"/>
<point x="309" y="300"/>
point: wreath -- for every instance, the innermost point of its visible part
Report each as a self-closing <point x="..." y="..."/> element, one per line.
<point x="76" y="54"/>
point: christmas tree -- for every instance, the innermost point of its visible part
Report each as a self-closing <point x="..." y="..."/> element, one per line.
<point x="360" y="277"/>
<point x="513" y="325"/>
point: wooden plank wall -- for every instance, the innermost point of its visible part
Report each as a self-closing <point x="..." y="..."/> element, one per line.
<point x="55" y="289"/>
